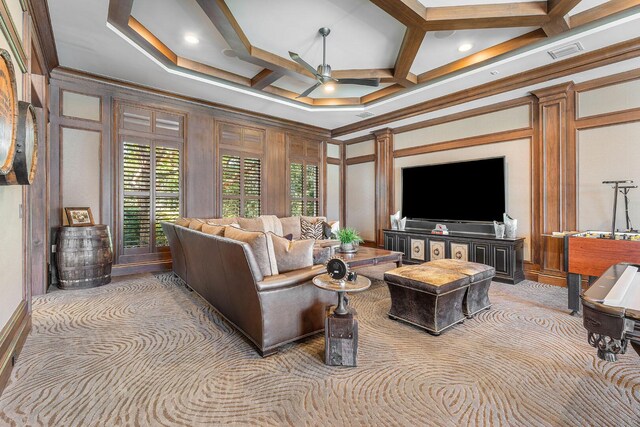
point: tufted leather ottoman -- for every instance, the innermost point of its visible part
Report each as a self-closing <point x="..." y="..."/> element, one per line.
<point x="426" y="296"/>
<point x="480" y="275"/>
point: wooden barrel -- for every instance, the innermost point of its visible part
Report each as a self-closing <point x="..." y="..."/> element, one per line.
<point x="8" y="112"/>
<point x="84" y="256"/>
<point x="25" y="161"/>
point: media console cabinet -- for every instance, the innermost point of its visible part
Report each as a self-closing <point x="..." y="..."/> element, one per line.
<point x="419" y="245"/>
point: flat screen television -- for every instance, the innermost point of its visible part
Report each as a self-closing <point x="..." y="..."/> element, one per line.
<point x="470" y="191"/>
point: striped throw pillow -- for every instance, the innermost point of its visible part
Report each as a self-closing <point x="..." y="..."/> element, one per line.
<point x="311" y="230"/>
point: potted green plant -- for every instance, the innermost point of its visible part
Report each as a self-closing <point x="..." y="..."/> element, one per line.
<point x="349" y="239"/>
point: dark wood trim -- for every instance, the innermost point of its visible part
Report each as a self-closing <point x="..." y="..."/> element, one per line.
<point x="363" y="138"/>
<point x="343" y="185"/>
<point x="14" y="39"/>
<point x="69" y="75"/>
<point x="472" y="141"/>
<point x="361" y="159"/>
<point x="143" y="267"/>
<point x="384" y="182"/>
<point x="39" y="11"/>
<point x="608" y="119"/>
<point x="408" y="51"/>
<point x="493" y="108"/>
<point x="598" y="58"/>
<point x="333" y="161"/>
<point x="12" y="338"/>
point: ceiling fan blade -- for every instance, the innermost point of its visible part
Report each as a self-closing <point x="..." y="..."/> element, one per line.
<point x="300" y="61"/>
<point x="361" y="82"/>
<point x="308" y="91"/>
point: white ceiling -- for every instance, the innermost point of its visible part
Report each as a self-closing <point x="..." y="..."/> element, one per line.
<point x="85" y="43"/>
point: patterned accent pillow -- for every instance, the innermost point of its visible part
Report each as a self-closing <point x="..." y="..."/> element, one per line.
<point x="311" y="230"/>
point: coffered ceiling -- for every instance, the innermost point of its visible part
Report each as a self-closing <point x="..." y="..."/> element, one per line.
<point x="242" y="58"/>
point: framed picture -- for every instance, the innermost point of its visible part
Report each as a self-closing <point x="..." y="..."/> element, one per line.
<point x="79" y="217"/>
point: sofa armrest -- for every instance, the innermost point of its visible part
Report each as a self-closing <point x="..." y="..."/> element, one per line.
<point x="290" y="278"/>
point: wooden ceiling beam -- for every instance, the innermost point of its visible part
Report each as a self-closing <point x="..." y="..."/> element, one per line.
<point x="264" y="78"/>
<point x="530" y="14"/>
<point x="604" y="10"/>
<point x="484" y="55"/>
<point x="410" y="13"/>
<point x="379" y="94"/>
<point x="411" y="43"/>
<point x="556" y="26"/>
<point x="559" y="8"/>
<point x="371" y="73"/>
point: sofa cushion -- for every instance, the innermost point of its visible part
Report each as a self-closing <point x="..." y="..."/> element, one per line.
<point x="251" y="224"/>
<point x="321" y="254"/>
<point x="261" y="246"/>
<point x="222" y="221"/>
<point x="314" y="219"/>
<point x="311" y="230"/>
<point x="183" y="222"/>
<point x="271" y="223"/>
<point x="292" y="255"/>
<point x="196" y="224"/>
<point x="291" y="225"/>
<point x="216" y="230"/>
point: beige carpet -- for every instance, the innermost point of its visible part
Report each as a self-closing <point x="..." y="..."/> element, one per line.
<point x="145" y="351"/>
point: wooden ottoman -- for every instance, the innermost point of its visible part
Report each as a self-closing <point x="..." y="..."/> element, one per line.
<point x="426" y="296"/>
<point x="480" y="275"/>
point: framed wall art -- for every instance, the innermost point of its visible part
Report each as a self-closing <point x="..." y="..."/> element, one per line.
<point x="79" y="217"/>
<point x="8" y="112"/>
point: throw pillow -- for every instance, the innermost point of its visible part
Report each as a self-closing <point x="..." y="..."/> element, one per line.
<point x="261" y="246"/>
<point x="292" y="255"/>
<point x="251" y="224"/>
<point x="216" y="230"/>
<point x="196" y="224"/>
<point x="329" y="228"/>
<point x="222" y="221"/>
<point x="310" y="230"/>
<point x="271" y="223"/>
<point x="183" y="222"/>
<point x="320" y="254"/>
<point x="291" y="225"/>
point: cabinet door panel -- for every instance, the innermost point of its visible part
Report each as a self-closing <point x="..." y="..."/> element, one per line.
<point x="403" y="246"/>
<point x="418" y="252"/>
<point x="481" y="253"/>
<point x="501" y="259"/>
<point x="436" y="250"/>
<point x="390" y="242"/>
<point x="459" y="251"/>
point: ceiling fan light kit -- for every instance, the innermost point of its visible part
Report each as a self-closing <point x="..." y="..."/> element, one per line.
<point x="323" y="72"/>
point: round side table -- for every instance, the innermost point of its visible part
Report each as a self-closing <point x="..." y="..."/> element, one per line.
<point x="341" y="325"/>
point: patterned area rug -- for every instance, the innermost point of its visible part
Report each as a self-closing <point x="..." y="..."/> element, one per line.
<point x="146" y="351"/>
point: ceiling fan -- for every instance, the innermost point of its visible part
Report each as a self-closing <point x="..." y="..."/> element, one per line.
<point x="323" y="72"/>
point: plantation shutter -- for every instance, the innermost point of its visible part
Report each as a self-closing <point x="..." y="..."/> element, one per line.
<point x="167" y="186"/>
<point x="303" y="189"/>
<point x="136" y="167"/>
<point x="241" y="185"/>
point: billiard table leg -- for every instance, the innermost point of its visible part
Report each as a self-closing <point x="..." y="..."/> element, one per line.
<point x="573" y="285"/>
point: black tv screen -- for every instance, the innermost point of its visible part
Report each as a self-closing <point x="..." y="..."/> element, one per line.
<point x="462" y="191"/>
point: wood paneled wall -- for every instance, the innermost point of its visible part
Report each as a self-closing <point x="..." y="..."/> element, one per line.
<point x="204" y="123"/>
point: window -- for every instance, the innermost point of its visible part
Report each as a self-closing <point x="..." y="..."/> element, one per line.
<point x="241" y="185"/>
<point x="149" y="185"/>
<point x="303" y="189"/>
<point x="151" y="193"/>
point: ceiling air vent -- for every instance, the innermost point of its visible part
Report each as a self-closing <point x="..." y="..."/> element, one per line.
<point x="365" y="114"/>
<point x="566" y="50"/>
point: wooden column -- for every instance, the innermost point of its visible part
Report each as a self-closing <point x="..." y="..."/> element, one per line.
<point x="384" y="181"/>
<point x="555" y="177"/>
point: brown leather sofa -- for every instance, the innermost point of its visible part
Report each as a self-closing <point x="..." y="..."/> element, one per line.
<point x="270" y="311"/>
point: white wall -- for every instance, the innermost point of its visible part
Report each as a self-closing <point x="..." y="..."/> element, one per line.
<point x="11" y="251"/>
<point x="81" y="170"/>
<point x="333" y="192"/>
<point x="360" y="149"/>
<point x="606" y="154"/>
<point x="361" y="199"/>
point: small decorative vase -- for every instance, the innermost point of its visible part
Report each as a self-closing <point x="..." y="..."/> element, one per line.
<point x="499" y="230"/>
<point x="510" y="225"/>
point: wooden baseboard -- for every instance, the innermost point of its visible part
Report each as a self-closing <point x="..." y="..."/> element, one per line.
<point x="147" y="267"/>
<point x="12" y="338"/>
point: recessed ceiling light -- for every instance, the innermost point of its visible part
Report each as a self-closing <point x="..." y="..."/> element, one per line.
<point x="329" y="87"/>
<point x="465" y="47"/>
<point x="191" y="39"/>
